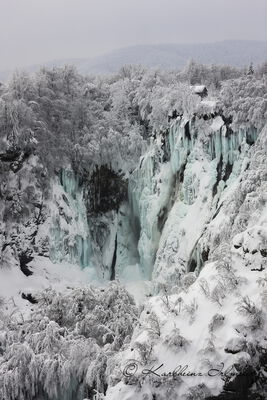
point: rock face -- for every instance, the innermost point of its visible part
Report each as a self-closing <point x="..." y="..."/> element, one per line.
<point x="106" y="191"/>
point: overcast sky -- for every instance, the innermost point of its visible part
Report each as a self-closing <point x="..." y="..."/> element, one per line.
<point x="35" y="31"/>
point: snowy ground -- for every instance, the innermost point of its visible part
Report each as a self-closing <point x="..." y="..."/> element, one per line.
<point x="46" y="275"/>
<point x="62" y="277"/>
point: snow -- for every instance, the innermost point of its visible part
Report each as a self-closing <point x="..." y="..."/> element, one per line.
<point x="46" y="274"/>
<point x="217" y="124"/>
<point x="197" y="332"/>
<point x="70" y="237"/>
<point x="199" y="88"/>
<point x="209" y="103"/>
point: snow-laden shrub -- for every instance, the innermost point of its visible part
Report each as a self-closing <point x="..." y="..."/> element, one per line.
<point x="208" y="350"/>
<point x="262" y="281"/>
<point x="103" y="314"/>
<point x="153" y="325"/>
<point x="176" y="341"/>
<point x="191" y="309"/>
<point x="218" y="293"/>
<point x="251" y="312"/>
<point x="216" y="322"/>
<point x="145" y="352"/>
<point x="187" y="280"/>
<point x="51" y="355"/>
<point x="204" y="286"/>
<point x="198" y="392"/>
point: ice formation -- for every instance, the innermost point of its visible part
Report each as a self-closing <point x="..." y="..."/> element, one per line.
<point x="173" y="196"/>
<point x="70" y="236"/>
<point x="177" y="189"/>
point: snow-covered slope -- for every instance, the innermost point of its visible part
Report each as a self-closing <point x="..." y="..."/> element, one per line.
<point x="211" y="324"/>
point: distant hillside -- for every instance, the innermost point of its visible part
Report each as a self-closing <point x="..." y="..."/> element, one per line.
<point x="169" y="56"/>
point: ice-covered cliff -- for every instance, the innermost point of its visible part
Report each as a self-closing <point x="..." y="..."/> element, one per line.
<point x="161" y="216"/>
<point x="178" y="189"/>
<point x="162" y="222"/>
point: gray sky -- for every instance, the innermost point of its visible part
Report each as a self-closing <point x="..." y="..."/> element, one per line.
<point x="35" y="31"/>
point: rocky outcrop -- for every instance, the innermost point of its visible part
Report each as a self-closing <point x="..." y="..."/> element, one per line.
<point x="105" y="191"/>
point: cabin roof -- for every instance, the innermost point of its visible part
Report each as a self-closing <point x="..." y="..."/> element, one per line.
<point x="199" y="89"/>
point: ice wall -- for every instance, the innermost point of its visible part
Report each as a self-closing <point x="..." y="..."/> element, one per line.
<point x="149" y="192"/>
<point x="69" y="233"/>
<point x="105" y="242"/>
<point x="178" y="188"/>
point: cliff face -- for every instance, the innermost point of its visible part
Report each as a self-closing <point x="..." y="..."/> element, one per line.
<point x="168" y="215"/>
<point x="178" y="190"/>
<point x="170" y="220"/>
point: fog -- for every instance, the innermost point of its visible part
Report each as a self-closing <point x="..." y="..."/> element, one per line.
<point x="36" y="31"/>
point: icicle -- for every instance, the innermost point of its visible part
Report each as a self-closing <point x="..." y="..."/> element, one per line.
<point x="180" y="144"/>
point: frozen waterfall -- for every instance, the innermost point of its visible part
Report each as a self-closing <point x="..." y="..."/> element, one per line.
<point x="178" y="184"/>
<point x="176" y="188"/>
<point x="70" y="237"/>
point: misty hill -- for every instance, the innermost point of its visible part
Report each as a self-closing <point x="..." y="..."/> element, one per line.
<point x="168" y="56"/>
<point x="236" y="53"/>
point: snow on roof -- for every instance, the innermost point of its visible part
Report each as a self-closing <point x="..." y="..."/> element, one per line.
<point x="199" y="88"/>
<point x="209" y="103"/>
